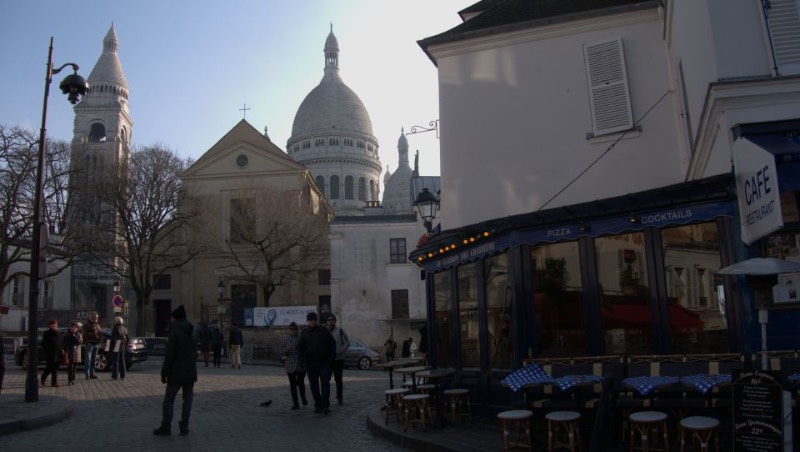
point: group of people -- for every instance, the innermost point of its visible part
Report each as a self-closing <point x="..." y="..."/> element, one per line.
<point x="65" y="349"/>
<point x="319" y="352"/>
<point x="212" y="340"/>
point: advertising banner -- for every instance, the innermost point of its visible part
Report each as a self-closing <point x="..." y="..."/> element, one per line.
<point x="277" y="315"/>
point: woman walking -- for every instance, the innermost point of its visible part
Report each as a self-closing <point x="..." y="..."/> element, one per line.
<point x="72" y="346"/>
<point x="295" y="367"/>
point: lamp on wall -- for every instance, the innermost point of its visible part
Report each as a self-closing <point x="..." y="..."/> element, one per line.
<point x="427" y="205"/>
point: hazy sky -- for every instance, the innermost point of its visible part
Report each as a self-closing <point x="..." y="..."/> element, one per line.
<point x="191" y="65"/>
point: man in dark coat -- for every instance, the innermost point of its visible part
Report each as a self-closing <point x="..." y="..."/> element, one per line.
<point x="51" y="343"/>
<point x="317" y="348"/>
<point x="179" y="372"/>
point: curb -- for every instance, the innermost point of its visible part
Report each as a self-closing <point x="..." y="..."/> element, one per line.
<point x="18" y="415"/>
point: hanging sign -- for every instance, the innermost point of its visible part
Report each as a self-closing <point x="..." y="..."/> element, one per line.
<point x="757" y="190"/>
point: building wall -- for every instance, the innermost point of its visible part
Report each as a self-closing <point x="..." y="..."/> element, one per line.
<point x="521" y="100"/>
<point x="362" y="279"/>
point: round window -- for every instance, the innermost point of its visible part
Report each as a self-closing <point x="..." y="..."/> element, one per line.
<point x="241" y="160"/>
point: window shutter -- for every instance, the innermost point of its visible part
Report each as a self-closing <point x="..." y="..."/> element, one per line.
<point x="783" y="17"/>
<point x="608" y="87"/>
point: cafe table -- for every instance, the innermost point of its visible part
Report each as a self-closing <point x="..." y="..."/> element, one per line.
<point x="435" y="375"/>
<point x="391" y="365"/>
<point x="412" y="372"/>
<point x="704" y="383"/>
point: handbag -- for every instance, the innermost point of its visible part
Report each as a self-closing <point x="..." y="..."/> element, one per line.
<point x="64" y="358"/>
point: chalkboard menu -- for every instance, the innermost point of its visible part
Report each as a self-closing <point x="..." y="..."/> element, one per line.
<point x="757" y="411"/>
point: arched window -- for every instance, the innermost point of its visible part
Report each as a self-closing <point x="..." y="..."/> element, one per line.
<point x="334" y="187"/>
<point x="362" y="189"/>
<point x="321" y="184"/>
<point x="348" y="187"/>
<point x="97" y="132"/>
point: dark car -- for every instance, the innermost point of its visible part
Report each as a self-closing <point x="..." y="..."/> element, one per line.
<point x="360" y="355"/>
<point x="136" y="352"/>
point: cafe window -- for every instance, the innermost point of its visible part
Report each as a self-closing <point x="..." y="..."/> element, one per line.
<point x="785" y="245"/>
<point x="695" y="299"/>
<point x="468" y="316"/>
<point x="498" y="311"/>
<point x="558" y="304"/>
<point x="443" y="320"/>
<point x="625" y="310"/>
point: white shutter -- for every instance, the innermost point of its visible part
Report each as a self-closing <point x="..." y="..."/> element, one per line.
<point x="784" y="26"/>
<point x="609" y="98"/>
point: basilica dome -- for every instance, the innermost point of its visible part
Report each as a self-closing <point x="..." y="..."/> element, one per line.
<point x="331" y="105"/>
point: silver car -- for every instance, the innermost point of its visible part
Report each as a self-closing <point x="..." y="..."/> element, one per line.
<point x="361" y="356"/>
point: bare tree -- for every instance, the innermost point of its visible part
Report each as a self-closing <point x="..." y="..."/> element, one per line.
<point x="277" y="237"/>
<point x="18" y="160"/>
<point x="146" y="223"/>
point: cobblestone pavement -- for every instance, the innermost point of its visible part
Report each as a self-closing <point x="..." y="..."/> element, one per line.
<point x="120" y="415"/>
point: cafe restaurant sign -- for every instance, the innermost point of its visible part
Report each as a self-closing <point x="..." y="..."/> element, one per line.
<point x="757" y="190"/>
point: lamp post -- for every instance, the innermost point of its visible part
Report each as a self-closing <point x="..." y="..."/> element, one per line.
<point x="427" y="204"/>
<point x="74" y="86"/>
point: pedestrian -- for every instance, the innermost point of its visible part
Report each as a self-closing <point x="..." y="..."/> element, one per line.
<point x="217" y="344"/>
<point x="119" y="343"/>
<point x="178" y="372"/>
<point x="51" y="344"/>
<point x="389" y="348"/>
<point x="294" y="365"/>
<point x="204" y="336"/>
<point x="92" y="335"/>
<point x="317" y="349"/>
<point x="235" y="342"/>
<point x="72" y="346"/>
<point x="406" y="353"/>
<point x="342" y="344"/>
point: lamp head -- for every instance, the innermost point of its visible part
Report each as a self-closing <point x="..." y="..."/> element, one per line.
<point x="426" y="204"/>
<point x="74" y="86"/>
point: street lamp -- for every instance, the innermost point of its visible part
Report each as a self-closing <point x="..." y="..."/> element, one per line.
<point x="427" y="204"/>
<point x="74" y="86"/>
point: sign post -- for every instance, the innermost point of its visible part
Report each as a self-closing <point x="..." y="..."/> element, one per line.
<point x="118" y="302"/>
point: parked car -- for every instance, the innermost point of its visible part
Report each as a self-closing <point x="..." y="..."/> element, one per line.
<point x="360" y="355"/>
<point x="136" y="353"/>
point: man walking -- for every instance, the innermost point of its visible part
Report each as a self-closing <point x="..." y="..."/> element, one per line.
<point x="178" y="372"/>
<point x="235" y="342"/>
<point x="92" y="334"/>
<point x="342" y="343"/>
<point x="317" y="347"/>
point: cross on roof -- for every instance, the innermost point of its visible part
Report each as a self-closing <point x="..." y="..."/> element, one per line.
<point x="244" y="111"/>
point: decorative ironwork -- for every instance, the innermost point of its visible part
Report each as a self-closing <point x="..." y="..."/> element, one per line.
<point x="432" y="126"/>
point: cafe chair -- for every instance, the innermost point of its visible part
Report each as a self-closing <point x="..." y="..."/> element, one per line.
<point x="563" y="430"/>
<point x="649" y="425"/>
<point x="700" y="430"/>
<point x="416" y="410"/>
<point x="516" y="426"/>
<point x="394" y="403"/>
<point x="458" y="404"/>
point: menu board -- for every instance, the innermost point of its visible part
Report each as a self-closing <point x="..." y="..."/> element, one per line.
<point x="757" y="411"/>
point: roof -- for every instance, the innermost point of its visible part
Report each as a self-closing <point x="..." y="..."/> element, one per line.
<point x="108" y="68"/>
<point x="510" y="15"/>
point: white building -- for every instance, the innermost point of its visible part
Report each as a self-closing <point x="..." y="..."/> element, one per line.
<point x="375" y="291"/>
<point x="590" y="155"/>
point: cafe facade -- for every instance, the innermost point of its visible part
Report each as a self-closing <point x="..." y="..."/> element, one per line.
<point x="559" y="239"/>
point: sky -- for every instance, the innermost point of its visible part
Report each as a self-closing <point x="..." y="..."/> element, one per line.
<point x="191" y="65"/>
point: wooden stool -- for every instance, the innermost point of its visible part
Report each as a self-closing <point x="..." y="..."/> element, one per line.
<point x="700" y="428"/>
<point x="563" y="430"/>
<point x="518" y="421"/>
<point x="645" y="422"/>
<point x="458" y="399"/>
<point x="415" y="407"/>
<point x="394" y="403"/>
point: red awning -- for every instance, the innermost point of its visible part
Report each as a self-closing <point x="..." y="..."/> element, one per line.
<point x="638" y="316"/>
